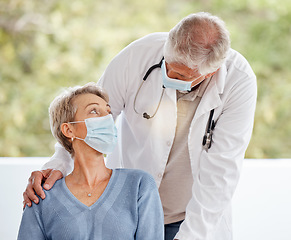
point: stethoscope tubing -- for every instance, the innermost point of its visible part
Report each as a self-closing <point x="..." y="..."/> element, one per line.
<point x="207" y="138"/>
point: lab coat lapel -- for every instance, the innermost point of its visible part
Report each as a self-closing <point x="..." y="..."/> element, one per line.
<point x="211" y="98"/>
<point x="170" y="95"/>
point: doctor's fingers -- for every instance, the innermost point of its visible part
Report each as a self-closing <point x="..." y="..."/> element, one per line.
<point x="34" y="186"/>
<point x="26" y="200"/>
<point x="51" y="178"/>
<point x="29" y="195"/>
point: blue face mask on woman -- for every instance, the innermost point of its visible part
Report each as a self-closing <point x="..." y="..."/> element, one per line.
<point x="174" y="83"/>
<point x="101" y="133"/>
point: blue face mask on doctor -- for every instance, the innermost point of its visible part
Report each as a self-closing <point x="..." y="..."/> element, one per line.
<point x="174" y="83"/>
<point x="101" y="133"/>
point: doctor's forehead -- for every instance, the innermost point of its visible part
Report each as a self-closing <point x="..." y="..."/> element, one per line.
<point x="179" y="67"/>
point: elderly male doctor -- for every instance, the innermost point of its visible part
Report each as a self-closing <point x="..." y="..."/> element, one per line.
<point x="186" y="104"/>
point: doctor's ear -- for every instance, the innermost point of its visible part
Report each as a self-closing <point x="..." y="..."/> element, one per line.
<point x="211" y="74"/>
<point x="66" y="130"/>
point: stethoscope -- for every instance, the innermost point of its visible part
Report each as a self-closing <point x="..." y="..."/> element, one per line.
<point x="207" y="138"/>
<point x="145" y="115"/>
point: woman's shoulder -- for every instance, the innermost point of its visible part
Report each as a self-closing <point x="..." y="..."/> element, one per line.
<point x="138" y="176"/>
<point x="55" y="188"/>
<point x="53" y="193"/>
<point x="134" y="172"/>
<point x="50" y="197"/>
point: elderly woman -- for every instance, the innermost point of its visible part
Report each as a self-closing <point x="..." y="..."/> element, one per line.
<point x="93" y="202"/>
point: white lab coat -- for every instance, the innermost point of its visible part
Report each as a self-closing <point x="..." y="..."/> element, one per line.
<point x="146" y="143"/>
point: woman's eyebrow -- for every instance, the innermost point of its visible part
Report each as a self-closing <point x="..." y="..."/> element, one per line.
<point x="92" y="104"/>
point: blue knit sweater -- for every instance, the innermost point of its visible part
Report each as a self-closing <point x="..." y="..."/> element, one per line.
<point x="129" y="208"/>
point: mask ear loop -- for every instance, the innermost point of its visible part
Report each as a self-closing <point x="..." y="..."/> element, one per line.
<point x="72" y="138"/>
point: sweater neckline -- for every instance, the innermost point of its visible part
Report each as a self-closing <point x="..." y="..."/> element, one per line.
<point x="99" y="201"/>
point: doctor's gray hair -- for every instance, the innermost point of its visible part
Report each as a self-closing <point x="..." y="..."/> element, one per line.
<point x="63" y="110"/>
<point x="199" y="41"/>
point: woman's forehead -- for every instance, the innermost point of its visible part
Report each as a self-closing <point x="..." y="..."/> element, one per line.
<point x="86" y="98"/>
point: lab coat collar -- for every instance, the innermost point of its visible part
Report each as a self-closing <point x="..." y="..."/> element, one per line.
<point x="219" y="78"/>
<point x="211" y="98"/>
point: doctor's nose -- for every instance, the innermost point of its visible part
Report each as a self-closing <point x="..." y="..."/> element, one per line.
<point x="173" y="75"/>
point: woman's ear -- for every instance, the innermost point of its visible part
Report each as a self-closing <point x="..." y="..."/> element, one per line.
<point x="66" y="130"/>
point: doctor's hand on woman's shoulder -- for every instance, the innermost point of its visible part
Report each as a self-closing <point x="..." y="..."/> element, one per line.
<point x="48" y="176"/>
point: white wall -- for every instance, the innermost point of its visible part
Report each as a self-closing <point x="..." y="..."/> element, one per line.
<point x="262" y="201"/>
<point x="261" y="205"/>
<point x="14" y="173"/>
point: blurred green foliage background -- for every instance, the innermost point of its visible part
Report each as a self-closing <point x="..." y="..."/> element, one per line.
<point x="49" y="44"/>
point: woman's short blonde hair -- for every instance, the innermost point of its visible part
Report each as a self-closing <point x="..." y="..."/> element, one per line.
<point x="62" y="110"/>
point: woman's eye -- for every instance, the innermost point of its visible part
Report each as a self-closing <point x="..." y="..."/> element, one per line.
<point x="94" y="111"/>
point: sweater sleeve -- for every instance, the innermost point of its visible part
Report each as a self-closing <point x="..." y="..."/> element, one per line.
<point x="31" y="226"/>
<point x="150" y="212"/>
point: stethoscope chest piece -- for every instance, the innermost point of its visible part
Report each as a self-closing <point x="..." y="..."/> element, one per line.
<point x="207" y="138"/>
